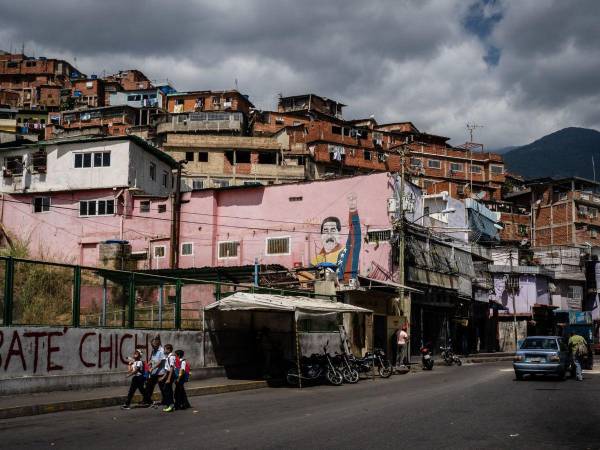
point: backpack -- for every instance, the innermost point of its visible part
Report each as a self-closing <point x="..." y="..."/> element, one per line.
<point x="146" y="370"/>
<point x="186" y="373"/>
<point x="581" y="350"/>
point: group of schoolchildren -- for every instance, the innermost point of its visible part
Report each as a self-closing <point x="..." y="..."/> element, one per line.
<point x="165" y="368"/>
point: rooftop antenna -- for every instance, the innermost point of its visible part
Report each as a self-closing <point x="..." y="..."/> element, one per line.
<point x="471" y="127"/>
<point x="236" y="84"/>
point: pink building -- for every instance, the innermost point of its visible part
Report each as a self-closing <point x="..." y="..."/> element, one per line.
<point x="342" y="221"/>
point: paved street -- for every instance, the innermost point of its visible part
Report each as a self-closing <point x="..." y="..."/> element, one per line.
<point x="474" y="406"/>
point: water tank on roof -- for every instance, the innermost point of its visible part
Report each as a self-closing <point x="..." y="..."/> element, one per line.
<point x="93" y="76"/>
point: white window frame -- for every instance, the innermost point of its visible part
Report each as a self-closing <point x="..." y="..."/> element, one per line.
<point x="462" y="167"/>
<point x="438" y="161"/>
<point x="96" y="202"/>
<point x="496" y="165"/>
<point x="42" y="211"/>
<point x="237" y="248"/>
<point x="164" y="247"/>
<point x="191" y="244"/>
<point x="289" y="252"/>
<point x="92" y="159"/>
<point x="478" y="166"/>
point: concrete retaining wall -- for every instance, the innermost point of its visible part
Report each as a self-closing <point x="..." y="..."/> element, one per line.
<point x="34" y="359"/>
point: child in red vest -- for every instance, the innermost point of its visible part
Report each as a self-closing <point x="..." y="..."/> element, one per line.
<point x="182" y="374"/>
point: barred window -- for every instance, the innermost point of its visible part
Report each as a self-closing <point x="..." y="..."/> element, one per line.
<point x="228" y="249"/>
<point x="379" y="235"/>
<point x="278" y="246"/>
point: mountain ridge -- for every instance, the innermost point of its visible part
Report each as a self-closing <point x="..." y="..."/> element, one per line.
<point x="564" y="153"/>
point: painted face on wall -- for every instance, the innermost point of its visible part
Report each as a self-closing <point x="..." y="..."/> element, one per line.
<point x="330" y="233"/>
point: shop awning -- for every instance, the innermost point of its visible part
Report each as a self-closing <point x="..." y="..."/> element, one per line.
<point x="242" y="301"/>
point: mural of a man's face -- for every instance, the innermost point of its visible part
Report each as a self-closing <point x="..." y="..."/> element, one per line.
<point x="330" y="233"/>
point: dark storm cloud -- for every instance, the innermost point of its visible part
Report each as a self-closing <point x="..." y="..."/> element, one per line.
<point x="518" y="66"/>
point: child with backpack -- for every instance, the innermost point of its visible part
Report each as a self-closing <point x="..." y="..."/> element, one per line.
<point x="166" y="382"/>
<point x="137" y="373"/>
<point x="182" y="376"/>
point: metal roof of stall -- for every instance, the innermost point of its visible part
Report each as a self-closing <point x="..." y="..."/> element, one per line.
<point x="242" y="301"/>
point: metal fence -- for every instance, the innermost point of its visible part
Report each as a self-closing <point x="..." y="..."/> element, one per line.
<point x="48" y="293"/>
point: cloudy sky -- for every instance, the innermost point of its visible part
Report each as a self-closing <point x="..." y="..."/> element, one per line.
<point x="520" y="68"/>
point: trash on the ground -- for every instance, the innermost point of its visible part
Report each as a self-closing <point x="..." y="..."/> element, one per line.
<point x="514" y="435"/>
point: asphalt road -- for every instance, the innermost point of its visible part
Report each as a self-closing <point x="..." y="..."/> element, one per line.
<point x="475" y="406"/>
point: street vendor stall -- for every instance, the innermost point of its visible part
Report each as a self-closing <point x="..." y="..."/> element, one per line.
<point x="251" y="334"/>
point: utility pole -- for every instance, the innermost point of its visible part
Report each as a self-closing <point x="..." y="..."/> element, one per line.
<point x="401" y="244"/>
<point x="513" y="288"/>
<point x="176" y="219"/>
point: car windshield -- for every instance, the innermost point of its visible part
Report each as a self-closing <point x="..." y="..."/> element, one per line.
<point x="539" y="344"/>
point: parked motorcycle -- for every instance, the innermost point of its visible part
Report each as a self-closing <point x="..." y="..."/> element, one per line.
<point x="426" y="358"/>
<point x="315" y="368"/>
<point x="344" y="365"/>
<point x="449" y="356"/>
<point x="377" y="358"/>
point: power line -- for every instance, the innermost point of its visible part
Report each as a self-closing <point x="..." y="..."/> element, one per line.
<point x="86" y="218"/>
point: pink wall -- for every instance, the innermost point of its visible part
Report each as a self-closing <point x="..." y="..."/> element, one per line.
<point x="248" y="215"/>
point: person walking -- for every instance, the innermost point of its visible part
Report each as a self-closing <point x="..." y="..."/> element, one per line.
<point x="182" y="374"/>
<point x="136" y="372"/>
<point x="578" y="349"/>
<point x="166" y="380"/>
<point x="157" y="369"/>
<point x="401" y="339"/>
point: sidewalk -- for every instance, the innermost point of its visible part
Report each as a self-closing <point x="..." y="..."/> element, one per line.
<point x="474" y="358"/>
<point x="49" y="402"/>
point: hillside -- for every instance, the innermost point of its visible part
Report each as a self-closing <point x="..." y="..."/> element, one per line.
<point x="564" y="153"/>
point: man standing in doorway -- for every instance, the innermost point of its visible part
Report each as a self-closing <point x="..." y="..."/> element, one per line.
<point x="401" y="339"/>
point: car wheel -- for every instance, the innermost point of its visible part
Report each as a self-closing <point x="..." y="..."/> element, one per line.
<point x="562" y="375"/>
<point x="519" y="376"/>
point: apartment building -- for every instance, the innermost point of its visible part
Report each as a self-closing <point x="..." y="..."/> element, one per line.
<point x="88" y="92"/>
<point x="129" y="80"/>
<point x="107" y="120"/>
<point x="39" y="82"/>
<point x="563" y="211"/>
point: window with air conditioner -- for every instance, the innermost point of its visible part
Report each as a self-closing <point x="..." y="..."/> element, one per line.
<point x="228" y="249"/>
<point x="278" y="246"/>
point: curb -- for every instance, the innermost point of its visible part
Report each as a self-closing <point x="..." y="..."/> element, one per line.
<point x="482" y="360"/>
<point x="75" y="405"/>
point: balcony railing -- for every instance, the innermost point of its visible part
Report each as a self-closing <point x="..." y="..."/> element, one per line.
<point x="202" y="121"/>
